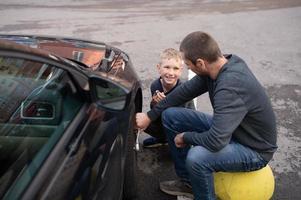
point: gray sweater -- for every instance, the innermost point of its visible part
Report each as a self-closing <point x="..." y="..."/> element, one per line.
<point x="242" y="109"/>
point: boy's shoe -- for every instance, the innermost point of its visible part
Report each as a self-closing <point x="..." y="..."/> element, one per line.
<point x="177" y="188"/>
<point x="153" y="142"/>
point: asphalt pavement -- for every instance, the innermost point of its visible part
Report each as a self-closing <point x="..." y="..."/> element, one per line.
<point x="266" y="34"/>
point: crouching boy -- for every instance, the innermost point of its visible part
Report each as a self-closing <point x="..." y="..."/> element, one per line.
<point x="170" y="69"/>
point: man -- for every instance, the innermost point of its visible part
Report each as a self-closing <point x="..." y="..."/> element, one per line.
<point x="241" y="134"/>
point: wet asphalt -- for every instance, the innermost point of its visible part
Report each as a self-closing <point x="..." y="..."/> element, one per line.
<point x="266" y="34"/>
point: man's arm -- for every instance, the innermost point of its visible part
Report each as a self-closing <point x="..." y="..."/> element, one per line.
<point x="180" y="95"/>
<point x="229" y="111"/>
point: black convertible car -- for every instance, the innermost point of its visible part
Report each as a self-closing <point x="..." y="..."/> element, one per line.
<point x="67" y="110"/>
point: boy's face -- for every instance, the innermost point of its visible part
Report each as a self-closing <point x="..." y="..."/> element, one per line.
<point x="170" y="71"/>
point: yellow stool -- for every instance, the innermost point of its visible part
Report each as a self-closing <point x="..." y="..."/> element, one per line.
<point x="255" y="185"/>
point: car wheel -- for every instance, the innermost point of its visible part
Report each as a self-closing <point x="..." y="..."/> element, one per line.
<point x="130" y="170"/>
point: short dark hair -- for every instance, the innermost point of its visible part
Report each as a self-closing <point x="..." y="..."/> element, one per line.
<point x="200" y="45"/>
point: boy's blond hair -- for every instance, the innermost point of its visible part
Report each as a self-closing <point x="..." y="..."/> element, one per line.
<point x="171" y="53"/>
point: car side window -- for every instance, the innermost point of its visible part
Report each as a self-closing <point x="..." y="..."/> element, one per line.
<point x="37" y="103"/>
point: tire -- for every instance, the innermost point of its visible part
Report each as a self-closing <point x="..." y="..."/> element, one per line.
<point x="130" y="168"/>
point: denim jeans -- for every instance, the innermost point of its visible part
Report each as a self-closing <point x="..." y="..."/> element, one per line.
<point x="197" y="164"/>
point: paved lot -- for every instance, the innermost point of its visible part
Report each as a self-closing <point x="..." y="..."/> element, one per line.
<point x="266" y="34"/>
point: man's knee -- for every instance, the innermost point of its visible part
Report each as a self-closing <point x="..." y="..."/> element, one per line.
<point x="168" y="114"/>
<point x="197" y="158"/>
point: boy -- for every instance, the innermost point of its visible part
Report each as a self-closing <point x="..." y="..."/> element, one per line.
<point x="170" y="69"/>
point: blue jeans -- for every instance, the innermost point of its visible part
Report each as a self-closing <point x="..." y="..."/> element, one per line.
<point x="197" y="164"/>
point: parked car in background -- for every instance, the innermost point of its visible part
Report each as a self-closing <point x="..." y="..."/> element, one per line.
<point x="67" y="109"/>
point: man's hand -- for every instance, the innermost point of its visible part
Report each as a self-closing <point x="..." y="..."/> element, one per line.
<point x="157" y="97"/>
<point x="179" y="140"/>
<point x="142" y="121"/>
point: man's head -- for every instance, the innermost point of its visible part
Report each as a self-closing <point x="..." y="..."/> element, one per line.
<point x="170" y="67"/>
<point x="199" y="49"/>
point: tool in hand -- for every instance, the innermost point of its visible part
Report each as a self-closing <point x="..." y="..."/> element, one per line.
<point x="137" y="148"/>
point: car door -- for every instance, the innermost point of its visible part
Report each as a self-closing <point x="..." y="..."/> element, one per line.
<point x="56" y="143"/>
<point x="42" y="113"/>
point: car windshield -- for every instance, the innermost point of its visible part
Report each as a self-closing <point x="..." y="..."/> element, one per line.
<point x="37" y="103"/>
<point x="88" y="53"/>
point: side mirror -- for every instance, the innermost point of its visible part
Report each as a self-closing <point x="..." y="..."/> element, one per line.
<point x="108" y="94"/>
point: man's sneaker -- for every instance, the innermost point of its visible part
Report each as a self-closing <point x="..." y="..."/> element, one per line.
<point x="153" y="142"/>
<point x="177" y="188"/>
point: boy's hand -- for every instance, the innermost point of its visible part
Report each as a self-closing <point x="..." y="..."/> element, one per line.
<point x="142" y="121"/>
<point x="158" y="96"/>
<point x="179" y="140"/>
